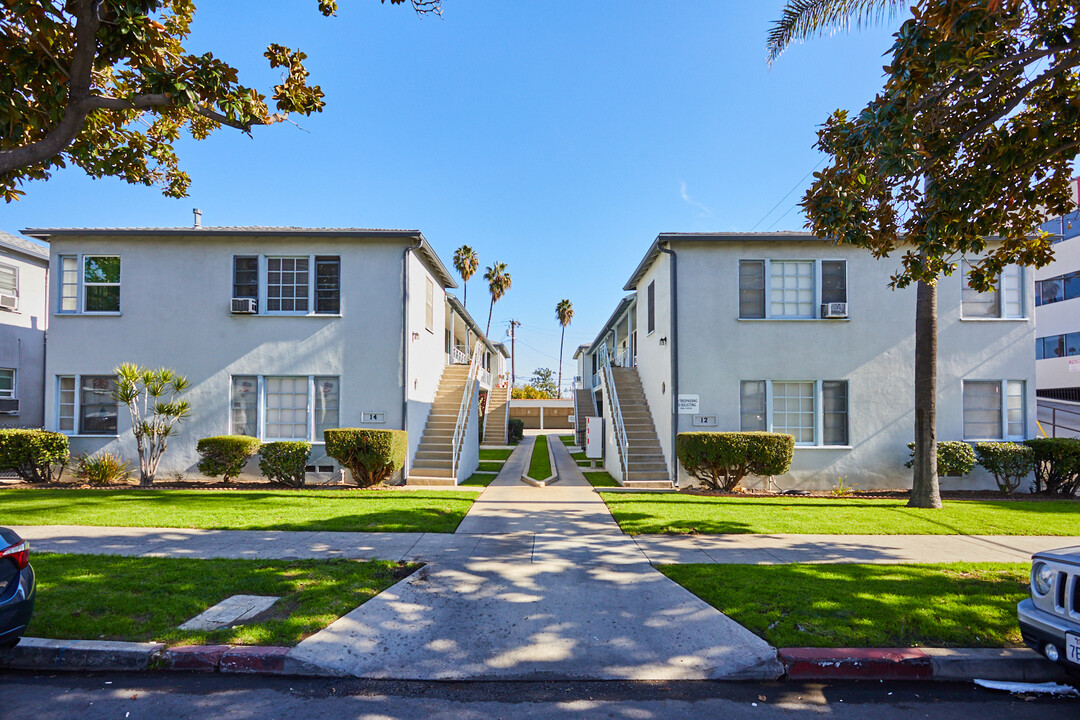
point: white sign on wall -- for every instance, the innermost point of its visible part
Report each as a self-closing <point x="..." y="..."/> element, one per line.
<point x="688" y="404"/>
<point x="1074" y="365"/>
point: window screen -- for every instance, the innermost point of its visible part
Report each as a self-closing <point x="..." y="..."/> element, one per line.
<point x="752" y="288"/>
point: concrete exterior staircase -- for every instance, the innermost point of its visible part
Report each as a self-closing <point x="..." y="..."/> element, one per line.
<point x="583" y="408"/>
<point x="498" y="405"/>
<point x="645" y="465"/>
<point x="432" y="463"/>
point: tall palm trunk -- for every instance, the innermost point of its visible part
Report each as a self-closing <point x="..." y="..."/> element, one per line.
<point x="491" y="309"/>
<point x="562" y="336"/>
<point x="465" y="294"/>
<point x="925" y="491"/>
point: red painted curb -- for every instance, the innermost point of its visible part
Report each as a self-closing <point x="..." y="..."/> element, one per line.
<point x="200" y="658"/>
<point x="856" y="664"/>
<point x="254" y="659"/>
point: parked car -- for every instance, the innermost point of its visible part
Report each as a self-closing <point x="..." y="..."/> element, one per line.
<point x="1050" y="618"/>
<point x="17" y="587"/>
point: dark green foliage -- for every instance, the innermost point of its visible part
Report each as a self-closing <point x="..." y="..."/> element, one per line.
<point x="372" y="456"/>
<point x="32" y="453"/>
<point x="954" y="457"/>
<point x="1057" y="465"/>
<point x="1008" y="462"/>
<point x="285" y="462"/>
<point x="102" y="469"/>
<point x="720" y="460"/>
<point x="516" y="430"/>
<point x="226" y="455"/>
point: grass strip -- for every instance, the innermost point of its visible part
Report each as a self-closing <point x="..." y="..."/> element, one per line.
<point x="540" y="464"/>
<point x="600" y="479"/>
<point x="344" y="510"/>
<point x="683" y="513"/>
<point x="102" y="597"/>
<point x="944" y="605"/>
<point x="490" y="466"/>
<point x="495" y="453"/>
<point x="567" y="439"/>
<point x="480" y="479"/>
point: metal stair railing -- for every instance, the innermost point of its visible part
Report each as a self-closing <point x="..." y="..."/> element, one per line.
<point x="616" y="411"/>
<point x="458" y="356"/>
<point x="464" y="409"/>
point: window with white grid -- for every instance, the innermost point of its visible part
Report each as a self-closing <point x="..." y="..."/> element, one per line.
<point x="66" y="392"/>
<point x="994" y="410"/>
<point x="791" y="286"/>
<point x="1006" y="300"/>
<point x="287" y="284"/>
<point x="793" y="410"/>
<point x="286" y="408"/>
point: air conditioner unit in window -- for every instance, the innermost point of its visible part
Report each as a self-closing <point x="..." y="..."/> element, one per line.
<point x="834" y="310"/>
<point x="9" y="406"/>
<point x="243" y="306"/>
<point x="9" y="302"/>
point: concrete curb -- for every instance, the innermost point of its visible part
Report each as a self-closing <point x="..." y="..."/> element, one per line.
<point x="80" y="655"/>
<point x="941" y="664"/>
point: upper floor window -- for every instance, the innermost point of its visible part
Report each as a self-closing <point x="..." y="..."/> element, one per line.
<point x="1056" y="289"/>
<point x="791" y="289"/>
<point x="85" y="404"/>
<point x="429" y="305"/>
<point x="9" y="287"/>
<point x="1055" y="346"/>
<point x="89" y="283"/>
<point x="284" y="285"/>
<point x="7" y="383"/>
<point x="814" y="412"/>
<point x="1005" y="301"/>
<point x="651" y="303"/>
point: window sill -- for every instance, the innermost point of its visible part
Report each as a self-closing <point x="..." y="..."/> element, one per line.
<point x="85" y="435"/>
<point x="994" y="320"/>
<point x="288" y="315"/>
<point x="88" y="314"/>
<point x="769" y="320"/>
<point x="824" y="447"/>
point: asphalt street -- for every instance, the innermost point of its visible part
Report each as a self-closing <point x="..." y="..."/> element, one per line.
<point x="181" y="696"/>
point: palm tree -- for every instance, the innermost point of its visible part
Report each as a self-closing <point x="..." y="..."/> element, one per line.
<point x="466" y="263"/>
<point x="801" y="19"/>
<point x="498" y="283"/>
<point x="564" y="313"/>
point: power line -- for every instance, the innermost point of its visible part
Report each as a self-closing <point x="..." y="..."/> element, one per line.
<point x="795" y="187"/>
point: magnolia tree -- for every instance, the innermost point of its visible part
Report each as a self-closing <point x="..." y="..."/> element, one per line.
<point x="153" y="399"/>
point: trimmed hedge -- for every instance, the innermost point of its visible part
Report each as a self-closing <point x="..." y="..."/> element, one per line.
<point x="285" y="461"/>
<point x="226" y="455"/>
<point x="1008" y="462"/>
<point x="32" y="453"/>
<point x="515" y="431"/>
<point x="720" y="460"/>
<point x="372" y="456"/>
<point x="955" y="458"/>
<point x="1057" y="465"/>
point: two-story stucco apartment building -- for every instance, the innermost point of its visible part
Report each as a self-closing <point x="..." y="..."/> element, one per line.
<point x="283" y="332"/>
<point x="23" y="272"/>
<point x="790" y="333"/>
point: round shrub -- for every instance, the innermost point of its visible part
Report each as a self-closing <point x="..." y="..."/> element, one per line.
<point x="32" y="453"/>
<point x="720" y="460"/>
<point x="285" y="461"/>
<point x="372" y="456"/>
<point x="102" y="469"/>
<point x="954" y="457"/>
<point x="515" y="430"/>
<point x="226" y="455"/>
<point x="1008" y="462"/>
<point x="1057" y="465"/>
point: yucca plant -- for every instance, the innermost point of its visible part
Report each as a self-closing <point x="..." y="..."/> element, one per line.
<point x="153" y="399"/>
<point x="102" y="468"/>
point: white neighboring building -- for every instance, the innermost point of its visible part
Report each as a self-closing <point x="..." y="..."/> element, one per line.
<point x="283" y="332"/>
<point x="790" y="333"/>
<point x="1057" y="314"/>
<point x="23" y="321"/>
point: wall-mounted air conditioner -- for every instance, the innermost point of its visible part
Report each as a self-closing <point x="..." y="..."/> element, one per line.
<point x="244" y="306"/>
<point x="834" y="310"/>
<point x="9" y="406"/>
<point x="9" y="302"/>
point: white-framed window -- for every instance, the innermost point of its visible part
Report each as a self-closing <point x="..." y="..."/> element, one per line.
<point x="1005" y="301"/>
<point x="994" y="410"/>
<point x="814" y="412"/>
<point x="289" y="285"/>
<point x="429" y="305"/>
<point x="9" y="281"/>
<point x="7" y="383"/>
<point x="85" y="404"/>
<point x="790" y="289"/>
<point x="89" y="284"/>
<point x="284" y="407"/>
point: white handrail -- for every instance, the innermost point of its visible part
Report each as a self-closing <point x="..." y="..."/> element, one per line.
<point x="616" y="410"/>
<point x="458" y="357"/>
<point x="465" y="408"/>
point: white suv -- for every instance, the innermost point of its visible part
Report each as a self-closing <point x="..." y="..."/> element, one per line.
<point x="1050" y="618"/>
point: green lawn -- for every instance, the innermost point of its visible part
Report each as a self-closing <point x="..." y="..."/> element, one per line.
<point x="567" y="439"/>
<point x="956" y="605"/>
<point x="102" y="597"/>
<point x="600" y="479"/>
<point x="540" y="465"/>
<point x="682" y="513"/>
<point x="349" y="510"/>
<point x="480" y="479"/>
<point x="495" y="453"/>
<point x="490" y="466"/>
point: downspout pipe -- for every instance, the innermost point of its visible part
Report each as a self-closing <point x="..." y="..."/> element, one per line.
<point x="405" y="347"/>
<point x="673" y="348"/>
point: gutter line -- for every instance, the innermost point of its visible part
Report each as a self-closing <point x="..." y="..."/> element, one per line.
<point x="673" y="344"/>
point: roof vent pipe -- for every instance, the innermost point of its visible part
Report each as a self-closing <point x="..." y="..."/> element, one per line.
<point x="198" y="218"/>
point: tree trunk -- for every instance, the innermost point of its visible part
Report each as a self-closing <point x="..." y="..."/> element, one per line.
<point x="487" y="331"/>
<point x="925" y="492"/>
<point x="465" y="294"/>
<point x="562" y="336"/>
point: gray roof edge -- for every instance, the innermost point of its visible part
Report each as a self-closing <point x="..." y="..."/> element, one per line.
<point x="31" y="252"/>
<point x="623" y="304"/>
<point x="460" y="308"/>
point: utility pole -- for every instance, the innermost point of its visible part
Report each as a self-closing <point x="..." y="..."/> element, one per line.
<point x="513" y="354"/>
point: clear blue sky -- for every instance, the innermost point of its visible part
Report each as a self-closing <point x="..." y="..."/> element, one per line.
<point x="558" y="137"/>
